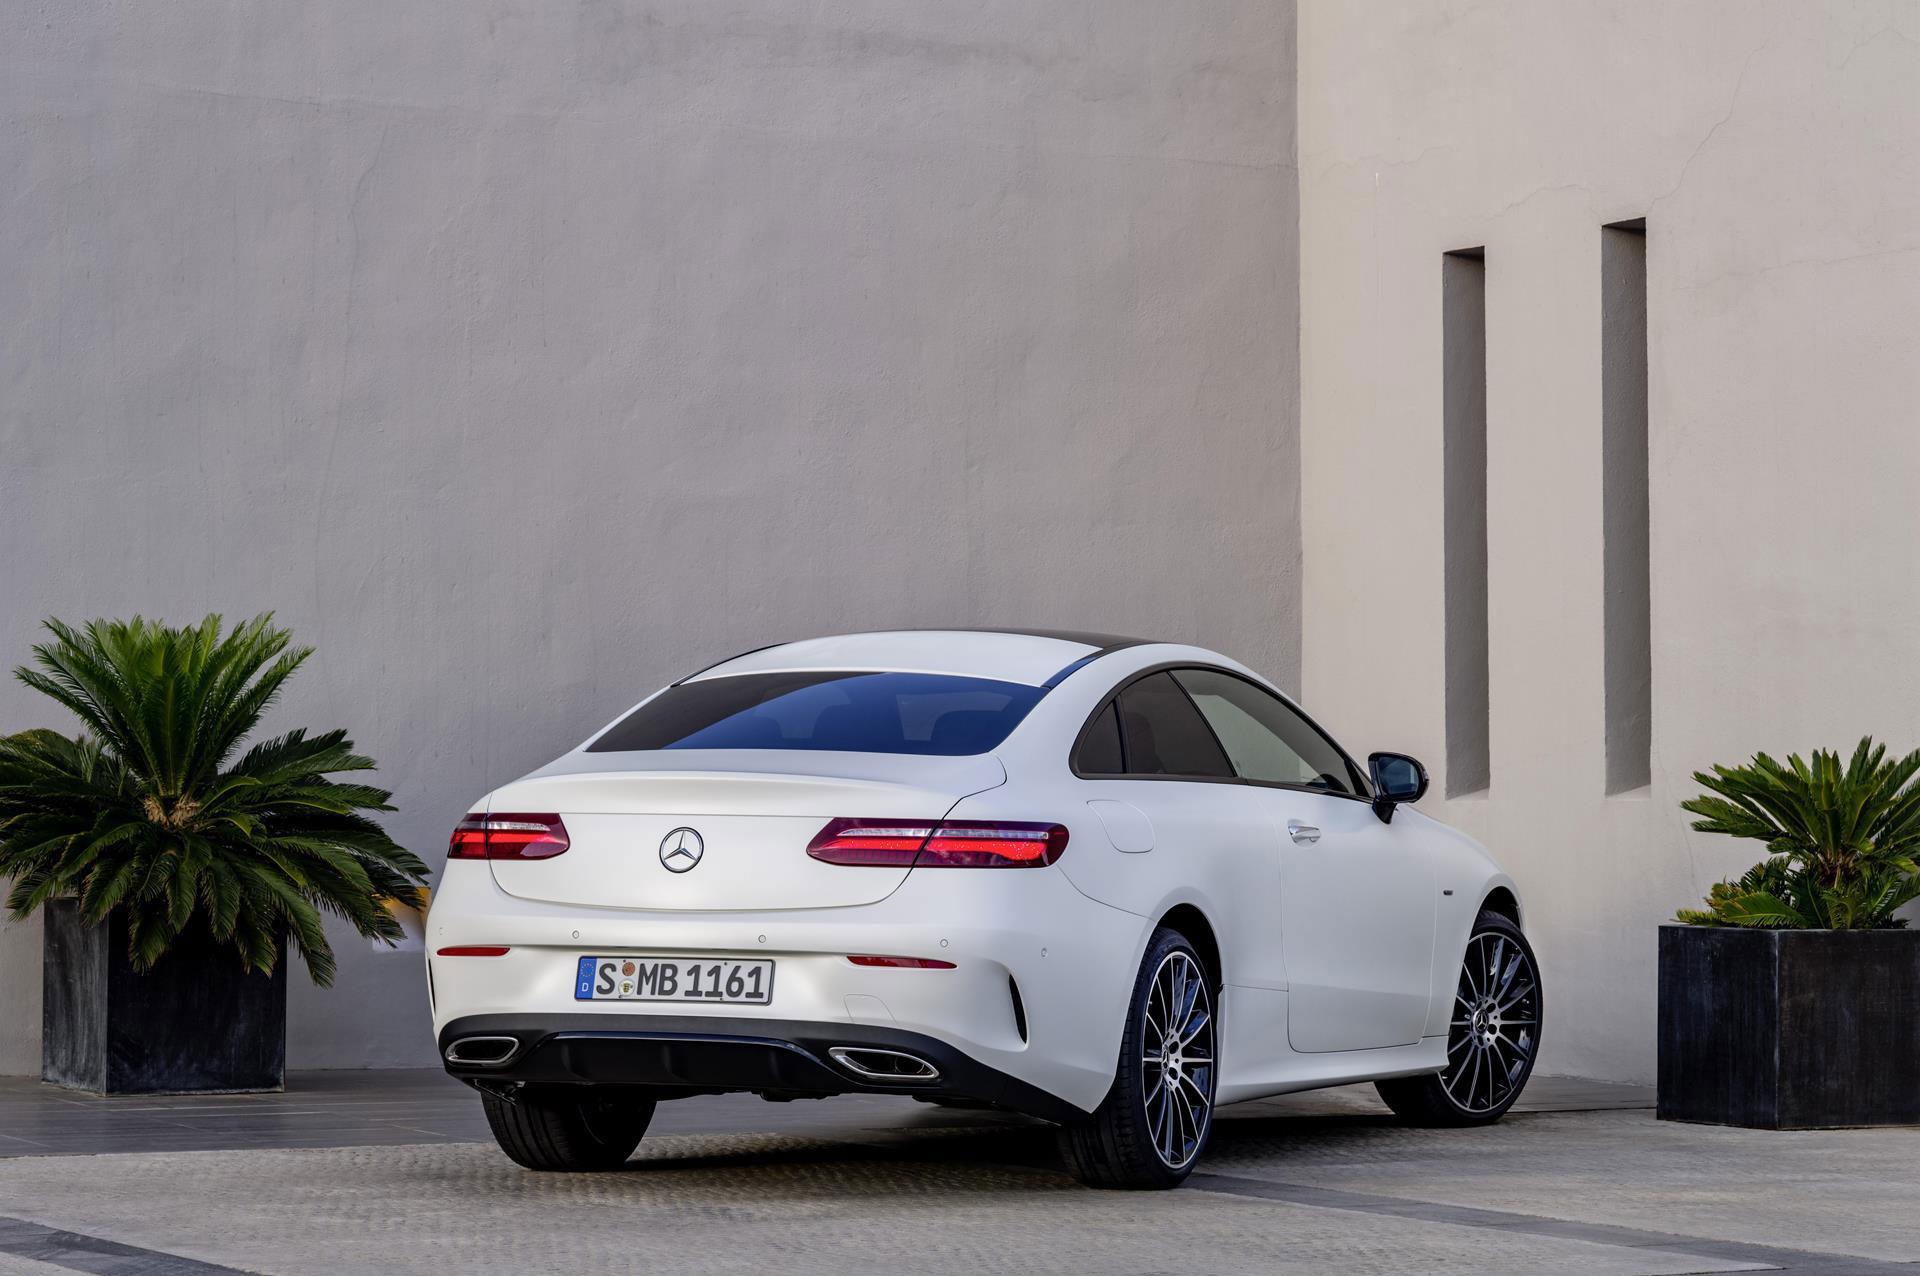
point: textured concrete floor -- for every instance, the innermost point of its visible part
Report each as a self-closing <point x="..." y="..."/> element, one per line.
<point x="341" y="1109"/>
<point x="1323" y="1183"/>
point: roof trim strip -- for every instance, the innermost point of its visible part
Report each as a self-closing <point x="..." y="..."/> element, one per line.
<point x="1117" y="644"/>
<point x="767" y="646"/>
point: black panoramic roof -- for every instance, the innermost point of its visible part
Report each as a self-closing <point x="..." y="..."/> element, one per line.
<point x="1106" y="642"/>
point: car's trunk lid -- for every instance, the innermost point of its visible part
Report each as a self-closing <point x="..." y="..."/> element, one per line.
<point x="752" y="813"/>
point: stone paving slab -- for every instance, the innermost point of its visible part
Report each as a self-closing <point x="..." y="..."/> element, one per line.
<point x="1851" y="1192"/>
<point x="1583" y="1181"/>
<point x="401" y="1106"/>
<point x="10" y="1266"/>
<point x="735" y="1204"/>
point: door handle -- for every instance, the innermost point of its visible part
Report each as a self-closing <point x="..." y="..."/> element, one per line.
<point x="1305" y="834"/>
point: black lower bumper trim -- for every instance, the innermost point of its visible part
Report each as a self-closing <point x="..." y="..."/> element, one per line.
<point x="678" y="1054"/>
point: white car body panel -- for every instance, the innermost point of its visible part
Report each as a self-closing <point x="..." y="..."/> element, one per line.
<point x="617" y="818"/>
<point x="989" y="924"/>
<point x="1002" y="657"/>
<point x="1337" y="958"/>
<point x="1356" y="920"/>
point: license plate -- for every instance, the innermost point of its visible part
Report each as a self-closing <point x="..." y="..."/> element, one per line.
<point x="725" y="983"/>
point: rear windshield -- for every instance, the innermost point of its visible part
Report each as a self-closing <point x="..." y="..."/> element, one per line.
<point x="848" y="712"/>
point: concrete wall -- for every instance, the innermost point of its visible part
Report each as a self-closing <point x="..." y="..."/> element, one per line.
<point x="1774" y="150"/>
<point x="522" y="356"/>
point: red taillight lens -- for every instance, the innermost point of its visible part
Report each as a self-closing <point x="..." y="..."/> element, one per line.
<point x="504" y="835"/>
<point x="900" y="963"/>
<point x="994" y="845"/>
<point x="473" y="950"/>
<point x="887" y="843"/>
<point x="955" y="844"/>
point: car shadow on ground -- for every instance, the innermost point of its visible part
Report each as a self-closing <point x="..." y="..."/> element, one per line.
<point x="993" y="1145"/>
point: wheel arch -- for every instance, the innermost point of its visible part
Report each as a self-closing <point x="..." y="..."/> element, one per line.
<point x="1191" y="922"/>
<point x="1501" y="899"/>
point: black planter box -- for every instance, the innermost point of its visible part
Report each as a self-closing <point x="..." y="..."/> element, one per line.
<point x="1789" y="1029"/>
<point x="195" y="1022"/>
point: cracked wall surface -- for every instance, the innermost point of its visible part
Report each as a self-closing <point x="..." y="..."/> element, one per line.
<point x="523" y="356"/>
<point x="1774" y="150"/>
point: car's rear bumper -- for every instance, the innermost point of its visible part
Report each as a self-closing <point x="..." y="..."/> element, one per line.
<point x="1036" y="988"/>
<point x="683" y="1054"/>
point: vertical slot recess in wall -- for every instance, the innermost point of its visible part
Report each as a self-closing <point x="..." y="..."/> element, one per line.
<point x="1627" y="613"/>
<point x="1463" y="317"/>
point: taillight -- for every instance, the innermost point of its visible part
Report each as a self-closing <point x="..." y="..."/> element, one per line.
<point x="942" y="844"/>
<point x="885" y="843"/>
<point x="994" y="845"/>
<point x="505" y="835"/>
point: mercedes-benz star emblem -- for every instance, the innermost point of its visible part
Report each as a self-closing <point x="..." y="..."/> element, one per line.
<point x="681" y="850"/>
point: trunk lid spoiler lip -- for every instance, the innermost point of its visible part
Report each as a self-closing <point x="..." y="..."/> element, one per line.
<point x="961" y="777"/>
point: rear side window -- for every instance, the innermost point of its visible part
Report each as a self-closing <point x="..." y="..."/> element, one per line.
<point x="1163" y="734"/>
<point x="921" y="713"/>
<point x="1266" y="739"/>
<point x="1099" y="749"/>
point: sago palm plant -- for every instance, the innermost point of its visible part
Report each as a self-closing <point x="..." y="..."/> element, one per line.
<point x="150" y="812"/>
<point x="1843" y="840"/>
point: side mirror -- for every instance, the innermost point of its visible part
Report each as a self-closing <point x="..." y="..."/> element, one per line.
<point x="1397" y="778"/>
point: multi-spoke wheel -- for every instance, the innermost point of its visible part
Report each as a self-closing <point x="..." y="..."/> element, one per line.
<point x="1492" y="1038"/>
<point x="1154" y="1123"/>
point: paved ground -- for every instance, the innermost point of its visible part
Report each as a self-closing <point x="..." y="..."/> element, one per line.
<point x="351" y="1172"/>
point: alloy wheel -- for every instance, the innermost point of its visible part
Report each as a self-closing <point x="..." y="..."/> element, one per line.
<point x="1177" y="1048"/>
<point x="1495" y="1026"/>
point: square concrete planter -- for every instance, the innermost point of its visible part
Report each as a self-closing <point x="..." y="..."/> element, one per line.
<point x="195" y="1022"/>
<point x="1789" y="1029"/>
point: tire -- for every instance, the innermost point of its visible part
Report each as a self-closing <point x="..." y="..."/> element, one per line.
<point x="1150" y="1130"/>
<point x="1493" y="1035"/>
<point x="571" y="1128"/>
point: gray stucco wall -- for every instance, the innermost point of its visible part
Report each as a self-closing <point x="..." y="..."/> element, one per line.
<point x="522" y="356"/>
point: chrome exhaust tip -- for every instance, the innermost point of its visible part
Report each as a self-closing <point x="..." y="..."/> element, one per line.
<point x="870" y="1063"/>
<point x="483" y="1050"/>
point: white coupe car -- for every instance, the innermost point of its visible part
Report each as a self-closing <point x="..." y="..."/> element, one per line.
<point x="1109" y="883"/>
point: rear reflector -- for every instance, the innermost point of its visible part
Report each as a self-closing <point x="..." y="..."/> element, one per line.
<point x="902" y="963"/>
<point x="472" y="950"/>
<point x="508" y="836"/>
<point x="950" y="844"/>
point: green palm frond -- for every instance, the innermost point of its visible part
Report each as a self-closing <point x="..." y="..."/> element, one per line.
<point x="148" y="811"/>
<point x="1843" y="840"/>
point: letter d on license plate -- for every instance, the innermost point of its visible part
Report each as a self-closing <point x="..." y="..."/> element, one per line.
<point x="723" y="982"/>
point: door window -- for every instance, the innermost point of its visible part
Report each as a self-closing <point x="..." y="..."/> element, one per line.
<point x="1265" y="738"/>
